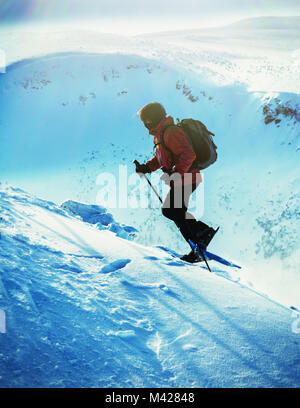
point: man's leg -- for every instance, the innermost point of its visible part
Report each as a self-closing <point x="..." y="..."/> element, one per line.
<point x="175" y="208"/>
<point x="195" y="226"/>
<point x="201" y="233"/>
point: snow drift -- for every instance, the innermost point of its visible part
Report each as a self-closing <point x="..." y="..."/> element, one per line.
<point x="86" y="308"/>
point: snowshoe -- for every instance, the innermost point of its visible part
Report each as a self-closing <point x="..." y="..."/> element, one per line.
<point x="192" y="257"/>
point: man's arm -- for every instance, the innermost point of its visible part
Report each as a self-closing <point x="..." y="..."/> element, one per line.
<point x="153" y="164"/>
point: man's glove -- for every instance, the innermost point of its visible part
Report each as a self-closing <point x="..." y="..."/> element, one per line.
<point x="141" y="168"/>
<point x="168" y="171"/>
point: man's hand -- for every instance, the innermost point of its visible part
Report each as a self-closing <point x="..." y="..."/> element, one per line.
<point x="141" y="168"/>
<point x="167" y="171"/>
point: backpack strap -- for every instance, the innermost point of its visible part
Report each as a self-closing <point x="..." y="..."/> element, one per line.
<point x="162" y="142"/>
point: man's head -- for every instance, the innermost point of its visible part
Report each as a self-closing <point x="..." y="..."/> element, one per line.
<point x="151" y="114"/>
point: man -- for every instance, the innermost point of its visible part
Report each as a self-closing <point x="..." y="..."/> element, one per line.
<point x="175" y="156"/>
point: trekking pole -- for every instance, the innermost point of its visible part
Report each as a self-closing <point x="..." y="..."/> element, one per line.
<point x="205" y="260"/>
<point x="150" y="184"/>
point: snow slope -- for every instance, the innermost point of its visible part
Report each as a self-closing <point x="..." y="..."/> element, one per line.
<point x="86" y="308"/>
<point x="68" y="112"/>
<point x="77" y="118"/>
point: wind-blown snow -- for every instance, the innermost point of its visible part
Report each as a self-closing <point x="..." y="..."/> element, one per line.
<point x="85" y="308"/>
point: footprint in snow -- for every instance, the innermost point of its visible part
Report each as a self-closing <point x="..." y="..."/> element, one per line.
<point x="168" y="291"/>
<point x="114" y="266"/>
<point x="154" y="258"/>
<point x="176" y="263"/>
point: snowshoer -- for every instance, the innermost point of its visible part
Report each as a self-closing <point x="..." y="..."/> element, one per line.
<point x="175" y="206"/>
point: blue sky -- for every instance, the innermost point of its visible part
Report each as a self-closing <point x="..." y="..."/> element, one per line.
<point x="158" y="13"/>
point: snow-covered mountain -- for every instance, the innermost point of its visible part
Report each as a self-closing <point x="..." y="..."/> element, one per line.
<point x="68" y="113"/>
<point x="86" y="308"/>
<point x="77" y="118"/>
<point x="269" y="23"/>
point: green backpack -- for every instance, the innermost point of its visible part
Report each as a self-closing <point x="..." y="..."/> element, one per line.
<point x="200" y="139"/>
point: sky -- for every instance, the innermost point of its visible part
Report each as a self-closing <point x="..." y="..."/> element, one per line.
<point x="143" y="15"/>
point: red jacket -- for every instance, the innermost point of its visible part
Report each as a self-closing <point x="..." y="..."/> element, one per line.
<point x="183" y="152"/>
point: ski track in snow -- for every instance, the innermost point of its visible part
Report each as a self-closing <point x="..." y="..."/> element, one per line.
<point x="144" y="323"/>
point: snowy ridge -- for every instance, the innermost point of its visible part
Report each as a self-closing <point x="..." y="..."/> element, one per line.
<point x="114" y="313"/>
<point x="269" y="23"/>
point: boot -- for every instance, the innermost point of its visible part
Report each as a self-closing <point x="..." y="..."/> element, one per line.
<point x="203" y="238"/>
<point x="192" y="257"/>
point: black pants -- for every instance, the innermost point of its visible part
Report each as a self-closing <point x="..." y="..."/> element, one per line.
<point x="175" y="207"/>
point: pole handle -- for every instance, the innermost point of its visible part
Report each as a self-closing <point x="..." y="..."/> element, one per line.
<point x="150" y="184"/>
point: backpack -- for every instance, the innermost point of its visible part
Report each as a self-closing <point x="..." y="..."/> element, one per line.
<point x="201" y="140"/>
